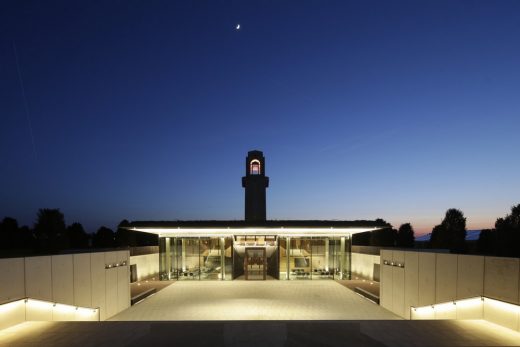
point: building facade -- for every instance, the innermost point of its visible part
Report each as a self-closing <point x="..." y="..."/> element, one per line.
<point x="255" y="248"/>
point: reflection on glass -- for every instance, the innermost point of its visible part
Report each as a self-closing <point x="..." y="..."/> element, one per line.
<point x="255" y="264"/>
<point x="284" y="263"/>
<point x="321" y="258"/>
<point x="210" y="259"/>
<point x="300" y="258"/>
<point x="189" y="259"/>
<point x="228" y="258"/>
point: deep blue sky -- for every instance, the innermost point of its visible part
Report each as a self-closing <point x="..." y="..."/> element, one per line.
<point x="145" y="110"/>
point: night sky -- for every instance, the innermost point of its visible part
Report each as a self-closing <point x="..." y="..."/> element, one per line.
<point x="145" y="110"/>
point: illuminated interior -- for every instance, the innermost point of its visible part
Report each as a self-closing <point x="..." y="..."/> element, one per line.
<point x="254" y="167"/>
<point x="292" y="253"/>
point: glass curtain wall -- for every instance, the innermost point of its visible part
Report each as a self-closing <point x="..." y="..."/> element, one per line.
<point x="194" y="258"/>
<point x="300" y="259"/>
<point x="316" y="258"/>
<point x="284" y="257"/>
<point x="226" y="243"/>
<point x="342" y="247"/>
<point x="166" y="268"/>
<point x="211" y="258"/>
<point x="322" y="259"/>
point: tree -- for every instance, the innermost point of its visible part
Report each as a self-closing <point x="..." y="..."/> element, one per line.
<point x="507" y="233"/>
<point x="361" y="239"/>
<point x="405" y="236"/>
<point x="50" y="230"/>
<point x="8" y="229"/>
<point x="385" y="237"/>
<point x="27" y="240"/>
<point x="14" y="239"/>
<point x="451" y="233"/>
<point x="438" y="238"/>
<point x="125" y="237"/>
<point x="104" y="238"/>
<point x="146" y="239"/>
<point x="486" y="242"/>
<point x="77" y="236"/>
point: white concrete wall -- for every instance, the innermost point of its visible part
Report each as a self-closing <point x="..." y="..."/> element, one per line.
<point x="470" y="276"/>
<point x="38" y="278"/>
<point x="63" y="279"/>
<point x="411" y="281"/>
<point x="363" y="265"/>
<point x="502" y="313"/>
<point x="22" y="310"/>
<point x="12" y="275"/>
<point x="84" y="280"/>
<point x="446" y="277"/>
<point x="398" y="287"/>
<point x="147" y="265"/>
<point x="386" y="281"/>
<point x="501" y="278"/>
<point x="426" y="278"/>
<point x="97" y="280"/>
<point x="434" y="278"/>
<point x="12" y="313"/>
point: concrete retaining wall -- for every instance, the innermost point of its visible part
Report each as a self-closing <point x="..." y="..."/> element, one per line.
<point x="432" y="278"/>
<point x="86" y="280"/>
<point x="147" y="265"/>
<point x="363" y="265"/>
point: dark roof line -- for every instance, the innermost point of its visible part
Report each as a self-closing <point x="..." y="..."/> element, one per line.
<point x="267" y="223"/>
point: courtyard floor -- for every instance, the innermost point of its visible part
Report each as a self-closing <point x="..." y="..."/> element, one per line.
<point x="367" y="333"/>
<point x="254" y="300"/>
<point x="270" y="313"/>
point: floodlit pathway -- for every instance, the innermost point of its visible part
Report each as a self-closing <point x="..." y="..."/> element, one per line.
<point x="254" y="300"/>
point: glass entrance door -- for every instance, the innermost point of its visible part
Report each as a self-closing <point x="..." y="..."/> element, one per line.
<point x="255" y="263"/>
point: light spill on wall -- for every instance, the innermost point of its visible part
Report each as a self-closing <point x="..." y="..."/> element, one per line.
<point x="19" y="311"/>
<point x="496" y="311"/>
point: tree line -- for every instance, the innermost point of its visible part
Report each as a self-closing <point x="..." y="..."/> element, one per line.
<point x="503" y="240"/>
<point x="50" y="234"/>
<point x="386" y="237"/>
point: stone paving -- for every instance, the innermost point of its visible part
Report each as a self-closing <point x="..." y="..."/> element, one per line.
<point x="254" y="300"/>
<point x="367" y="333"/>
<point x="270" y="313"/>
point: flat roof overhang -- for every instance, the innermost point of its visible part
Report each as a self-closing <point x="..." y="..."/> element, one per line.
<point x="231" y="231"/>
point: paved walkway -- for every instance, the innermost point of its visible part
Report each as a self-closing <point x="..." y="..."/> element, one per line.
<point x="254" y="300"/>
<point x="145" y="285"/>
<point x="369" y="286"/>
<point x="368" y="333"/>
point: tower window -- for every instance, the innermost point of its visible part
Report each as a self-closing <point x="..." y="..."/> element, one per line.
<point x="254" y="167"/>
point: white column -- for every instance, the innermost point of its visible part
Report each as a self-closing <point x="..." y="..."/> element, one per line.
<point x="183" y="250"/>
<point x="175" y="259"/>
<point x="342" y="257"/>
<point x="222" y="258"/>
<point x="288" y="255"/>
<point x="326" y="254"/>
<point x="167" y="251"/>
